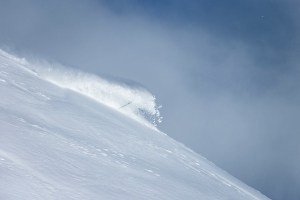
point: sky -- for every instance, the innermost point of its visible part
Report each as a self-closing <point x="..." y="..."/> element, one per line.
<point x="225" y="72"/>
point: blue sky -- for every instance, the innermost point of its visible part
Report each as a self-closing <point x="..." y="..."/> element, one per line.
<point x="226" y="72"/>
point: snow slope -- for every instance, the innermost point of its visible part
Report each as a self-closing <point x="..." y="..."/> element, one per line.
<point x="56" y="143"/>
<point x="134" y="101"/>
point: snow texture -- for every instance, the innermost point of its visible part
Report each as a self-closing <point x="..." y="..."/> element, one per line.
<point x="135" y="102"/>
<point x="57" y="143"/>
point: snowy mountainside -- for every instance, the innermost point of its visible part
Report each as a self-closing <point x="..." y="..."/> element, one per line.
<point x="135" y="102"/>
<point x="58" y="143"/>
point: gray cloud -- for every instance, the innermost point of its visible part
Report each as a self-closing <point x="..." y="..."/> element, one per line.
<point x="225" y="72"/>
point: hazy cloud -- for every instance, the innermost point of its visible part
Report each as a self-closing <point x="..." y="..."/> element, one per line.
<point x="226" y="72"/>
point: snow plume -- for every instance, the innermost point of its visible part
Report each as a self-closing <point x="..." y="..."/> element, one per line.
<point x="135" y="102"/>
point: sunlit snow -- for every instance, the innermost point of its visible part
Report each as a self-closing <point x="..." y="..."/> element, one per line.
<point x="57" y="142"/>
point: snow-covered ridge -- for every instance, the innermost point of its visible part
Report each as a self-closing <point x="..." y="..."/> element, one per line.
<point x="135" y="102"/>
<point x="60" y="145"/>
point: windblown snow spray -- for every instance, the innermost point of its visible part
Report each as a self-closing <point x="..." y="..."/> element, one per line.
<point x="136" y="102"/>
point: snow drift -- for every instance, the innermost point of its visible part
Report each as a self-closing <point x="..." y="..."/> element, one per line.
<point x="133" y="101"/>
<point x="58" y="144"/>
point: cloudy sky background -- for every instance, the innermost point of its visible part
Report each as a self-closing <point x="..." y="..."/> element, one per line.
<point x="226" y="72"/>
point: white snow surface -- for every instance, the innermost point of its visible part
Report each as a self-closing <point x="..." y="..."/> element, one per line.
<point x="135" y="102"/>
<point x="61" y="144"/>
